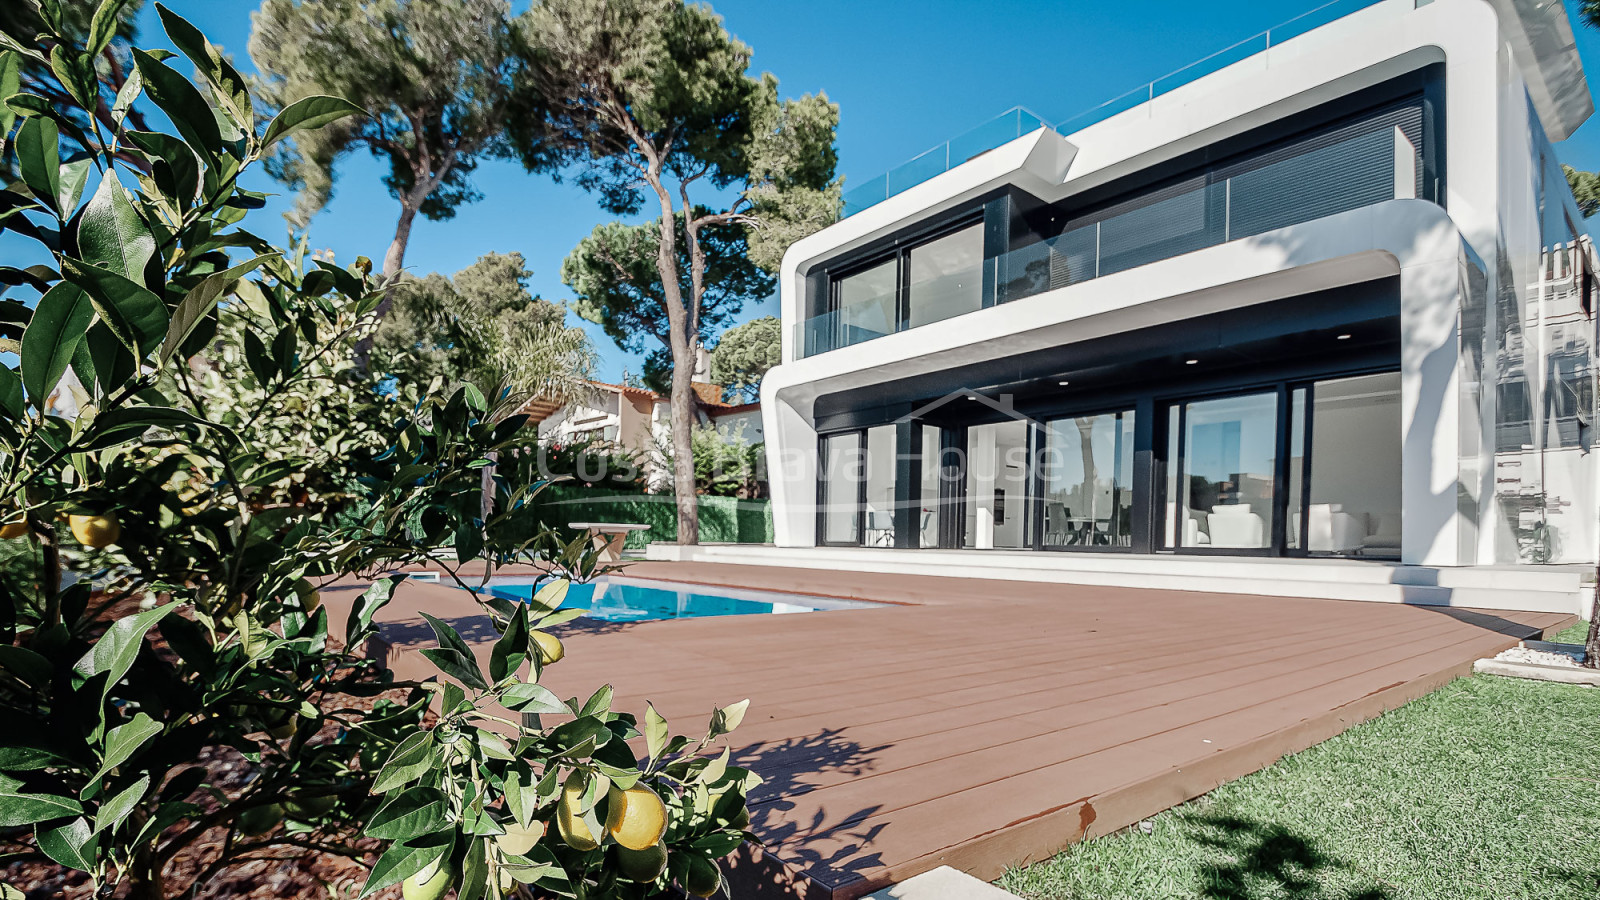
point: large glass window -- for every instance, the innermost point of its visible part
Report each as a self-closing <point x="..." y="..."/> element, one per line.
<point x="1354" y="506"/>
<point x="937" y="471"/>
<point x="1228" y="462"/>
<point x="867" y="303"/>
<point x="1086" y="467"/>
<point x="842" y="472"/>
<point x="997" y="486"/>
<point x="946" y="276"/>
<point x="880" y="486"/>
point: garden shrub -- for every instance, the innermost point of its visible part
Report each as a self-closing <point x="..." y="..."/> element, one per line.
<point x="227" y="458"/>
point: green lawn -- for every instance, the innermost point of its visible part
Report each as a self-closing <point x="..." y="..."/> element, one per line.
<point x="1577" y="634"/>
<point x="1485" y="789"/>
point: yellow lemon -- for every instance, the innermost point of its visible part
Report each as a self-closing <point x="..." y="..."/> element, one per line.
<point x="551" y="650"/>
<point x="642" y="865"/>
<point x="431" y="883"/>
<point x="569" y="816"/>
<point x="95" y="531"/>
<point x="11" y="530"/>
<point x="636" y="817"/>
<point x="517" y="841"/>
<point x="703" y="877"/>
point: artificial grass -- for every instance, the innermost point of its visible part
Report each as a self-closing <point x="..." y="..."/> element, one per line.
<point x="1485" y="789"/>
<point x="1576" y="634"/>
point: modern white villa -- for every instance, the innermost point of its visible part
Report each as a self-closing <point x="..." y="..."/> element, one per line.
<point x="1319" y="321"/>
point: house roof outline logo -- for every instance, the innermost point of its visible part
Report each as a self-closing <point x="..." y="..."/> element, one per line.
<point x="1004" y="405"/>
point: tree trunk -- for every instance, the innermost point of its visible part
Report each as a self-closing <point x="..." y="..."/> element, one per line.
<point x="682" y="343"/>
<point x="393" y="261"/>
<point x="1591" y="645"/>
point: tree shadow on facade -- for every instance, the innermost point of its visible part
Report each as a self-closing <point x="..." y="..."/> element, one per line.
<point x="1258" y="860"/>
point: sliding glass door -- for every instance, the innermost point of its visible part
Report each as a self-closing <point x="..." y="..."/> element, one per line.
<point x="1228" y="473"/>
<point x="1310" y="468"/>
<point x="839" y="494"/>
<point x="1086" y="480"/>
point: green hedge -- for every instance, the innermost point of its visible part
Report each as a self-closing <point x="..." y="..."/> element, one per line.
<point x="722" y="519"/>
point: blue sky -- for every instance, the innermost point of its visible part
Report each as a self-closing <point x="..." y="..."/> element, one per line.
<point x="906" y="76"/>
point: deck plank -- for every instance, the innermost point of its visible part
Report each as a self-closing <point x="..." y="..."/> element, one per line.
<point x="982" y="724"/>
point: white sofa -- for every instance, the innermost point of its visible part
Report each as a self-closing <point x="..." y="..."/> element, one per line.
<point x="1332" y="530"/>
<point x="1385" y="538"/>
<point x="1234" y="525"/>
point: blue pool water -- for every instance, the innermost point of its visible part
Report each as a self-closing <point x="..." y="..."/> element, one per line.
<point x="621" y="599"/>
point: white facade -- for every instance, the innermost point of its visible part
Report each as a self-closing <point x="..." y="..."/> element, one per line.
<point x="1496" y="347"/>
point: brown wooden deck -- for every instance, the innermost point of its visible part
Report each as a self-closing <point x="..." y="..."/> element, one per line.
<point x="980" y="724"/>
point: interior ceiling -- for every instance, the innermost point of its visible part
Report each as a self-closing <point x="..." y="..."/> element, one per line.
<point x="1242" y="342"/>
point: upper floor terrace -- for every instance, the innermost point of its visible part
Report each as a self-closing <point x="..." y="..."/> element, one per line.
<point x="1078" y="208"/>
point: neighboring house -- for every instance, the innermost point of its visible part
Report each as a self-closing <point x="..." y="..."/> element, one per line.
<point x="640" y="420"/>
<point x="1330" y="300"/>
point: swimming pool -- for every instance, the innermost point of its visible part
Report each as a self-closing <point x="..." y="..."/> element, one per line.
<point x="617" y="598"/>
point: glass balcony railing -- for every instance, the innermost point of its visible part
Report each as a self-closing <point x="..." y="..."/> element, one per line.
<point x="1006" y="127"/>
<point x="1353" y="166"/>
<point x="1015" y="123"/>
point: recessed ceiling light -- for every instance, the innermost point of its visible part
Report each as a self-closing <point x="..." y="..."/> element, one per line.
<point x="1191" y="362"/>
<point x="1344" y="337"/>
<point x="1063" y="383"/>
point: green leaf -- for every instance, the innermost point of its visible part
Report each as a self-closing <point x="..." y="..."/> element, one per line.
<point x="116" y="650"/>
<point x="37" y="106"/>
<point x="124" y="740"/>
<point x="407" y="858"/>
<point x="377" y="595"/>
<point x="114" y="810"/>
<point x="132" y="87"/>
<point x="549" y="598"/>
<point x="199" y="302"/>
<point x="522" y="793"/>
<point x="75" y="70"/>
<point x="414" y="756"/>
<point x="182" y="102"/>
<point x="105" y="360"/>
<point x="71" y="843"/>
<point x="456" y="660"/>
<point x="128" y="423"/>
<point x="74" y="175"/>
<point x="10" y="83"/>
<point x="103" y="27"/>
<point x="655" y="731"/>
<point x="410" y="814"/>
<point x="177" y="168"/>
<point x="231" y="89"/>
<point x="32" y="749"/>
<point x="137" y="317"/>
<point x="112" y="235"/>
<point x="599" y="702"/>
<point x="533" y="698"/>
<point x="475" y="873"/>
<point x="38" y="149"/>
<point x="311" y="112"/>
<point x="33" y="668"/>
<point x="511" y="650"/>
<point x="59" y="324"/>
<point x="728" y="718"/>
<point x="10" y="393"/>
<point x="21" y="808"/>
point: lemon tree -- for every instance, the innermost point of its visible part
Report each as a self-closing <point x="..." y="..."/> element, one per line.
<point x="187" y="455"/>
